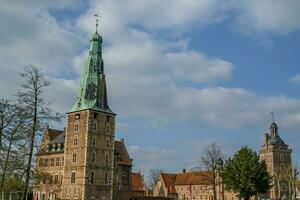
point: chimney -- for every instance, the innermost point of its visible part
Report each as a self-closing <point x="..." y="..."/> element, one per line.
<point x="122" y="140"/>
<point x="183" y="171"/>
<point x="266" y="139"/>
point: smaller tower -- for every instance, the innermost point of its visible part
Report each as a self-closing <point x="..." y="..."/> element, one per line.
<point x="277" y="156"/>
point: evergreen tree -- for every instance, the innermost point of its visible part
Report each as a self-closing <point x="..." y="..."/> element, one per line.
<point x="245" y="174"/>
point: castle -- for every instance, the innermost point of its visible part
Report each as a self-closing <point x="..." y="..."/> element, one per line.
<point x="84" y="161"/>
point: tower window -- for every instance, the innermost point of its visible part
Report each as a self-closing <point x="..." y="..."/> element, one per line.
<point x="281" y="157"/>
<point x="57" y="161"/>
<point x="94" y="128"/>
<point x="107" y="143"/>
<point x="73" y="177"/>
<point x="95" y="115"/>
<point x="77" y="116"/>
<point x="93" y="157"/>
<point x="74" y="157"/>
<point x="75" y="142"/>
<point x="94" y="141"/>
<point x="56" y="179"/>
<point x="62" y="161"/>
<point x="282" y="166"/>
<point x="92" y="177"/>
<point x="52" y="162"/>
<point x="107" y="159"/>
<point x="106" y="179"/>
<point x="108" y="128"/>
<point x="76" y="127"/>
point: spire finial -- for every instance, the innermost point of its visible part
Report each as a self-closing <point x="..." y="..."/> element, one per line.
<point x="273" y="117"/>
<point x="97" y="20"/>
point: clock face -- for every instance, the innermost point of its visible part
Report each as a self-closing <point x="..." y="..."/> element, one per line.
<point x="90" y="92"/>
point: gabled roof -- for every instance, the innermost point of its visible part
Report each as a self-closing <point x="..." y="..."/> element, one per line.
<point x="169" y="181"/>
<point x="193" y="178"/>
<point x="122" y="155"/>
<point x="137" y="184"/>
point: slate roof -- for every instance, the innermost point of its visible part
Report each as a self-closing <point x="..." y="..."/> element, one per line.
<point x="53" y="133"/>
<point x="121" y="152"/>
<point x="137" y="184"/>
<point x="59" y="139"/>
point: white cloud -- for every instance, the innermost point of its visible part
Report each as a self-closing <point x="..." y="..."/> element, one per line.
<point x="295" y="79"/>
<point x="275" y="16"/>
<point x="34" y="38"/>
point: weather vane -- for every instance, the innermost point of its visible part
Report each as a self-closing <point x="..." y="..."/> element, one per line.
<point x="97" y="20"/>
<point x="273" y="116"/>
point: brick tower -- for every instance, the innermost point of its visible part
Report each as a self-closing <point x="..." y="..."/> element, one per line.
<point x="89" y="137"/>
<point x="277" y="156"/>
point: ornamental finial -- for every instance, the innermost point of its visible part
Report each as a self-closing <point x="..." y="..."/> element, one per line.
<point x="273" y="116"/>
<point x="97" y="20"/>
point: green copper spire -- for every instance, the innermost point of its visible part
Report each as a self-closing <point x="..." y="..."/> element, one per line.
<point x="92" y="93"/>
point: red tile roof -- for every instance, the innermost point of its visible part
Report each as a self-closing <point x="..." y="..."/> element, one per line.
<point x="193" y="178"/>
<point x="169" y="181"/>
<point x="137" y="184"/>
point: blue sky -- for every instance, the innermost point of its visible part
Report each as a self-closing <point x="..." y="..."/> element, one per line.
<point x="180" y="74"/>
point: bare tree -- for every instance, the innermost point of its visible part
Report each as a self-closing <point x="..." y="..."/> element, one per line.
<point x="30" y="98"/>
<point x="7" y="116"/>
<point x="153" y="177"/>
<point x="12" y="129"/>
<point x="210" y="161"/>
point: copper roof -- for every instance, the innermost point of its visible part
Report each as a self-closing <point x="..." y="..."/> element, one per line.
<point x="193" y="178"/>
<point x="121" y="152"/>
<point x="137" y="184"/>
<point x="169" y="181"/>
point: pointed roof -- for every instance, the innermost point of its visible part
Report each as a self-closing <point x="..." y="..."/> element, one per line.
<point x="121" y="153"/>
<point x="92" y="92"/>
<point x="273" y="136"/>
<point x="137" y="183"/>
<point x="169" y="181"/>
